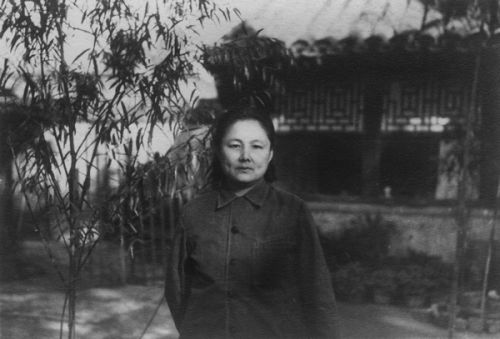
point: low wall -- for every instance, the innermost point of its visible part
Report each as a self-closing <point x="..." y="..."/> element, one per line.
<point x="427" y="229"/>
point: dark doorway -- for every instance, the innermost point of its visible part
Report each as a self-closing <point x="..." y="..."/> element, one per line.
<point x="409" y="165"/>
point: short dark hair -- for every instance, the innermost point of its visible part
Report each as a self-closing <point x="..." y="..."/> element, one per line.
<point x="222" y="125"/>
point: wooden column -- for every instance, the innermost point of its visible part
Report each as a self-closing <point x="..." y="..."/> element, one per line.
<point x="7" y="228"/>
<point x="490" y="127"/>
<point x="372" y="136"/>
<point x="8" y="231"/>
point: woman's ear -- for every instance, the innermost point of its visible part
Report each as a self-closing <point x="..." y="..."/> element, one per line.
<point x="271" y="155"/>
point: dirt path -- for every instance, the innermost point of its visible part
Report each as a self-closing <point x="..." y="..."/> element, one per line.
<point x="31" y="311"/>
<point x="102" y="313"/>
<point x="368" y="321"/>
<point x="31" y="300"/>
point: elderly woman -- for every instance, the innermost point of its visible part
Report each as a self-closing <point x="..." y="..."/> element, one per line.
<point x="246" y="260"/>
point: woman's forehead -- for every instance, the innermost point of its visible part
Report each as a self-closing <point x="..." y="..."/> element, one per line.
<point x="248" y="128"/>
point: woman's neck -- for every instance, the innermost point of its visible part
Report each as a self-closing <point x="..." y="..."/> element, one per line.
<point x="240" y="189"/>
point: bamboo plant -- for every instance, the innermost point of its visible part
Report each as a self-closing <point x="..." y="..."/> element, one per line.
<point x="95" y="71"/>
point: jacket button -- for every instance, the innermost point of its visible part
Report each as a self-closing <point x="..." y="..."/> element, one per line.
<point x="232" y="261"/>
<point x="234" y="230"/>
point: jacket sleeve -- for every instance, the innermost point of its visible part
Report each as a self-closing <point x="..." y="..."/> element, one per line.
<point x="175" y="275"/>
<point x="317" y="296"/>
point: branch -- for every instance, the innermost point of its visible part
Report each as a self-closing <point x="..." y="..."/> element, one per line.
<point x="37" y="227"/>
<point x="62" y="154"/>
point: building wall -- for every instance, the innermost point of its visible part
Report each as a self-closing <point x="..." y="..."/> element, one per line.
<point x="431" y="230"/>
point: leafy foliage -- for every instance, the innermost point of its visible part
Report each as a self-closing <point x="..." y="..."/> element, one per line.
<point x="350" y="281"/>
<point x="478" y="14"/>
<point x="384" y="279"/>
<point x="250" y="66"/>
<point x="366" y="239"/>
<point x="100" y="101"/>
<point x="417" y="274"/>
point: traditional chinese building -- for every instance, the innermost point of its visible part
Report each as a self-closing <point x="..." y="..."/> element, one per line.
<point x="377" y="116"/>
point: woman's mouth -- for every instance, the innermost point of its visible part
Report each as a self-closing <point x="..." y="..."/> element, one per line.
<point x="244" y="169"/>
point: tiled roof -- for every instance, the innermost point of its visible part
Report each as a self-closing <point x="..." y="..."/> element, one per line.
<point x="312" y="28"/>
<point x="411" y="41"/>
<point x="311" y="20"/>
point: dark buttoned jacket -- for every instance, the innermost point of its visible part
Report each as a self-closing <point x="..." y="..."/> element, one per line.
<point x="249" y="267"/>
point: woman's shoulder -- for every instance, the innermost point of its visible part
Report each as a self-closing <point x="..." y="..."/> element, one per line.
<point x="287" y="198"/>
<point x="205" y="198"/>
<point x="288" y="207"/>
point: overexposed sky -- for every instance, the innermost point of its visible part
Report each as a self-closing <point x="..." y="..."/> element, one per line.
<point x="290" y="20"/>
<point x="287" y="20"/>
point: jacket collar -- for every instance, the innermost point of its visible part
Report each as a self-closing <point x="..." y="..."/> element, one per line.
<point x="256" y="196"/>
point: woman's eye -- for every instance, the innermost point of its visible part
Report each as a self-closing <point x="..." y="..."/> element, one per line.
<point x="258" y="146"/>
<point x="234" y="146"/>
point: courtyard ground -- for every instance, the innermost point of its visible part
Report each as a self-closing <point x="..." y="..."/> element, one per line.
<point x="30" y="310"/>
<point x="31" y="301"/>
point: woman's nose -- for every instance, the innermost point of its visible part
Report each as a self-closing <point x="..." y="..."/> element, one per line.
<point x="244" y="154"/>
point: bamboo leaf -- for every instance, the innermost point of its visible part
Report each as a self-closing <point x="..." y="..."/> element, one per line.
<point x="94" y="62"/>
<point x="80" y="54"/>
<point x="138" y="139"/>
<point x="15" y="39"/>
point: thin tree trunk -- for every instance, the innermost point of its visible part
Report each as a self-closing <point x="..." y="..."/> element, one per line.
<point x="123" y="249"/>
<point x="462" y="212"/>
<point x="487" y="266"/>
<point x="152" y="225"/>
<point x="163" y="235"/>
<point x="8" y="229"/>
<point x="72" y="295"/>
<point x="73" y="246"/>
<point x="142" y="232"/>
<point x="462" y="221"/>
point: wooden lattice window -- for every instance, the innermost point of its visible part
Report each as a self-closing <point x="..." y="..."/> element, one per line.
<point x="454" y="99"/>
<point x="409" y="100"/>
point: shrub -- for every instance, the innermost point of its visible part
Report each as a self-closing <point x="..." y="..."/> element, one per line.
<point x="383" y="279"/>
<point x="366" y="240"/>
<point x="349" y="282"/>
<point x="414" y="280"/>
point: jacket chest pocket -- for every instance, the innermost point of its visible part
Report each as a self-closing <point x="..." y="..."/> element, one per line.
<point x="273" y="262"/>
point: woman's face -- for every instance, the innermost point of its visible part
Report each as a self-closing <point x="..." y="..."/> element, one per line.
<point x="245" y="152"/>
